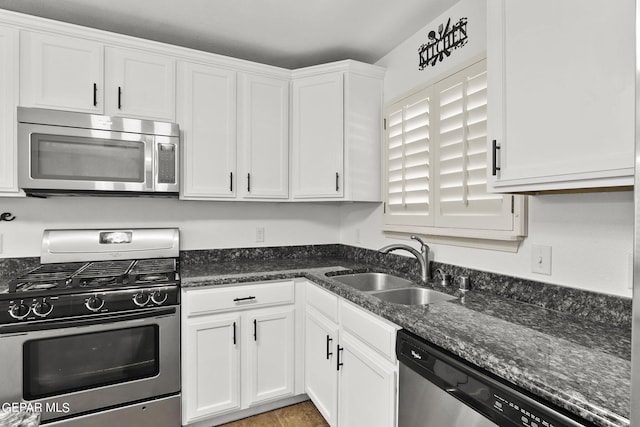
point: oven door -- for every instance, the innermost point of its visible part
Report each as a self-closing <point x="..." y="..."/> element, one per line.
<point x="74" y="159"/>
<point x="80" y="366"/>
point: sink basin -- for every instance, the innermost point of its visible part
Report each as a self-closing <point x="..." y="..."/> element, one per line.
<point x="413" y="296"/>
<point x="368" y="282"/>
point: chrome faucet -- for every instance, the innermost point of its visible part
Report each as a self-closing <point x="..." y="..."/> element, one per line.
<point x="422" y="256"/>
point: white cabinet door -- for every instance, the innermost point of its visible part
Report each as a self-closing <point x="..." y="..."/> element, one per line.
<point x="318" y="136"/>
<point x="8" y="102"/>
<point x="269" y="356"/>
<point x="139" y="84"/>
<point x="562" y="117"/>
<point x="211" y="366"/>
<point x="61" y="73"/>
<point x="367" y="392"/>
<point x="263" y="137"/>
<point x="320" y="378"/>
<point x="207" y="119"/>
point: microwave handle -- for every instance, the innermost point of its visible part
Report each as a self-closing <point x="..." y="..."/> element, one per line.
<point x="150" y="163"/>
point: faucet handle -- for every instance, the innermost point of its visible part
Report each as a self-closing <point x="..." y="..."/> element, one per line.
<point x="418" y="239"/>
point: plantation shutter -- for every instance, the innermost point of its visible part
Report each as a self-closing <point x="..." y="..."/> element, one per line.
<point x="461" y="146"/>
<point x="408" y="151"/>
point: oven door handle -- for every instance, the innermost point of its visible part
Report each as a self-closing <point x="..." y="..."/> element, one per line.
<point x="76" y="323"/>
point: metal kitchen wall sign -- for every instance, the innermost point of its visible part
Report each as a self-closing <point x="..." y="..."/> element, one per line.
<point x="442" y="43"/>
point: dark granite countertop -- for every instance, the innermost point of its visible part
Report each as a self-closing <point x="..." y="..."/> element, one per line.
<point x="568" y="346"/>
<point x="578" y="364"/>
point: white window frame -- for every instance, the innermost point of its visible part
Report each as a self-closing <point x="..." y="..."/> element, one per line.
<point x="469" y="216"/>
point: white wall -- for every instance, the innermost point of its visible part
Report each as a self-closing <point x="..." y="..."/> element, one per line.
<point x="591" y="235"/>
<point x="402" y="62"/>
<point x="203" y="225"/>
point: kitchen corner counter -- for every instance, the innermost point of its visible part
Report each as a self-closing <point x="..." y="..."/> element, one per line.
<point x="580" y="365"/>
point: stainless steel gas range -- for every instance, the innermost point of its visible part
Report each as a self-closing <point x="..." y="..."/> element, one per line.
<point x="92" y="335"/>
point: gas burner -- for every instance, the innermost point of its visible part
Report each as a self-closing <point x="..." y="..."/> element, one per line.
<point x="152" y="278"/>
<point x="95" y="282"/>
<point x="37" y="286"/>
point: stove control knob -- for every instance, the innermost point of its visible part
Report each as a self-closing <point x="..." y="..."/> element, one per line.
<point x="159" y="297"/>
<point x="42" y="308"/>
<point x="94" y="303"/>
<point x="141" y="299"/>
<point x="19" y="311"/>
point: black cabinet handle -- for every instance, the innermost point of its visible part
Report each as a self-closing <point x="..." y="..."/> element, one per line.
<point x="338" y="358"/>
<point x="337" y="181"/>
<point x="234" y="333"/>
<point x="95" y="95"/>
<point x="329" y="353"/>
<point x="255" y="330"/>
<point x="495" y="149"/>
<point x="243" y="299"/>
<point x="230" y="181"/>
<point x="119" y="98"/>
<point x="248" y="183"/>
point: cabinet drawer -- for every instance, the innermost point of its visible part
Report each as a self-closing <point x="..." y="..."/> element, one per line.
<point x="323" y="301"/>
<point x="372" y="330"/>
<point x="239" y="297"/>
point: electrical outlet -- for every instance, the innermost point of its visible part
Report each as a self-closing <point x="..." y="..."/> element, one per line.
<point x="259" y="234"/>
<point x="541" y="259"/>
<point x="357" y="235"/>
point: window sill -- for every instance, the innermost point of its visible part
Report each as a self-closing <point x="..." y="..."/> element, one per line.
<point x="505" y="241"/>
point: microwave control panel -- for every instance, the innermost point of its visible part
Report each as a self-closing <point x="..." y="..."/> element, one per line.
<point x="166" y="163"/>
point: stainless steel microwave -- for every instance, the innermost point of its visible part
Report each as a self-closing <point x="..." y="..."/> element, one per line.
<point x="62" y="152"/>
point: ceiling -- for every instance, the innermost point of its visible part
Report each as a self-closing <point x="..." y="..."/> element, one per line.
<point x="284" y="33"/>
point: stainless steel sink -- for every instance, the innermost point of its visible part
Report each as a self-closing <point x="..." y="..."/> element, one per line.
<point x="368" y="282"/>
<point x="413" y="296"/>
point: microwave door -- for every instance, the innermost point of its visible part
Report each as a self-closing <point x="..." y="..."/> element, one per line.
<point x="59" y="158"/>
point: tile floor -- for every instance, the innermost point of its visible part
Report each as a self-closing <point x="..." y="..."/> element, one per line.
<point x="300" y="415"/>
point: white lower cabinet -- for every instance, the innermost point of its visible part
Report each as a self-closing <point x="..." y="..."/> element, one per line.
<point x="351" y="372"/>
<point x="367" y="391"/>
<point x="241" y="357"/>
<point x="268" y="350"/>
<point x="211" y="366"/>
<point x="320" y="378"/>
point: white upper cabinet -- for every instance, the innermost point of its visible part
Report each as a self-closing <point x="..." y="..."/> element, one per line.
<point x="336" y="131"/>
<point x="70" y="73"/>
<point x="249" y="131"/>
<point x="8" y="102"/>
<point x="59" y="72"/>
<point x="263" y="137"/>
<point x="318" y="136"/>
<point x="561" y="95"/>
<point x="140" y="85"/>
<point x="207" y="117"/>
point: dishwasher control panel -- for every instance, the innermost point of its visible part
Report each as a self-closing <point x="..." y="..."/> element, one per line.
<point x="522" y="415"/>
<point x="503" y="403"/>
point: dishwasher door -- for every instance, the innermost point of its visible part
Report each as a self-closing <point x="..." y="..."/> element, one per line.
<point x="423" y="404"/>
<point x="438" y="389"/>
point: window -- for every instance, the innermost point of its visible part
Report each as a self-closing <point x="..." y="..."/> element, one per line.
<point x="436" y="164"/>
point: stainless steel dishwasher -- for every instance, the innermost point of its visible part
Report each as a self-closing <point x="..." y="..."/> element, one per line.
<point x="437" y="389"/>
